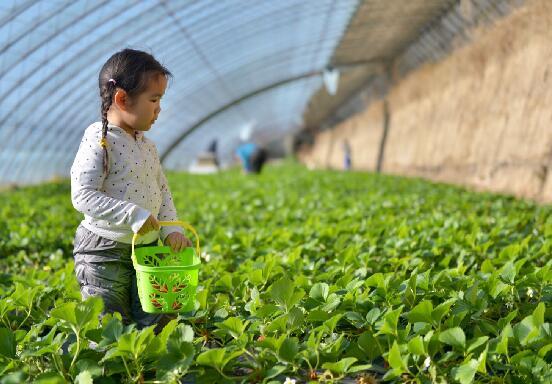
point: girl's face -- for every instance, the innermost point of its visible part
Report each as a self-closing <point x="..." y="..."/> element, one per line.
<point x="146" y="106"/>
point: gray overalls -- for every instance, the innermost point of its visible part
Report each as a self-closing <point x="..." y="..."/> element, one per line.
<point x="104" y="268"/>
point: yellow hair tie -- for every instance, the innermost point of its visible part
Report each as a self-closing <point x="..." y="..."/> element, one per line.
<point x="103" y="142"/>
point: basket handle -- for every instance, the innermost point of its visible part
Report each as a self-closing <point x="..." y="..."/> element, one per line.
<point x="172" y="223"/>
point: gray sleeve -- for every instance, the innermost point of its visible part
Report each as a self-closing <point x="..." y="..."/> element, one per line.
<point x="87" y="178"/>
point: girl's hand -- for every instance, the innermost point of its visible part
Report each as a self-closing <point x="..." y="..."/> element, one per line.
<point x="177" y="241"/>
<point x="151" y="224"/>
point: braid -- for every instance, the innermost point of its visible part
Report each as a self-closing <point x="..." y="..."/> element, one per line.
<point x="127" y="71"/>
<point x="107" y="99"/>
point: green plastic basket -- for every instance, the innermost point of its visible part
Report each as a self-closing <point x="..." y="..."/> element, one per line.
<point x="166" y="280"/>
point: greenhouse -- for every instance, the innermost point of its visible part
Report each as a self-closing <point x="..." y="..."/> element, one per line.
<point x="261" y="191"/>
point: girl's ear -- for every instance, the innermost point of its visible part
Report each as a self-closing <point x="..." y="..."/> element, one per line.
<point x="121" y="99"/>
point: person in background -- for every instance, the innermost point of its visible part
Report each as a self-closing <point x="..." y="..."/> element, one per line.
<point x="252" y="157"/>
<point x="212" y="149"/>
<point x="347" y="161"/>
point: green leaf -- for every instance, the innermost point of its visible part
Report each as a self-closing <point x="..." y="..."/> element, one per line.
<point x="341" y="367"/>
<point x="453" y="336"/>
<point x="278" y="325"/>
<point x="178" y="358"/>
<point x="502" y="345"/>
<point x="496" y="286"/>
<point x="84" y="315"/>
<point x="167" y="331"/>
<point x="395" y="359"/>
<point x="317" y="316"/>
<point x="390" y="321"/>
<point x="256" y="277"/>
<point x="508" y="273"/>
<point x="487" y="266"/>
<point x="288" y="349"/>
<point x="221" y="313"/>
<point x="138" y="345"/>
<point x="7" y="343"/>
<point x="282" y="291"/>
<point x="421" y="312"/>
<point x="331" y="323"/>
<point x="274" y="371"/>
<point x="14" y="378"/>
<point x="230" y="356"/>
<point x="353" y="285"/>
<point x="528" y="329"/>
<point x="202" y="297"/>
<point x="332" y="303"/>
<point x="482" y="361"/>
<point x="359" y="368"/>
<point x="234" y="326"/>
<point x="373" y="315"/>
<point x="544" y="350"/>
<point x="111" y="331"/>
<point x="416" y="346"/>
<point x="266" y="310"/>
<point x="270" y="343"/>
<point x="355" y="318"/>
<point x="24" y="296"/>
<point x="410" y="290"/>
<point x="284" y="294"/>
<point x="89" y="365"/>
<point x="225" y="282"/>
<point x="296" y="298"/>
<point x="441" y="310"/>
<point x="538" y="315"/>
<point x="65" y="312"/>
<point x="50" y="378"/>
<point x="376" y="280"/>
<point x="295" y="318"/>
<point x="183" y="333"/>
<point x="507" y="319"/>
<point x="466" y="372"/>
<point x="367" y="343"/>
<point x="319" y="291"/>
<point x="212" y="358"/>
<point x="84" y="377"/>
<point x="477" y="343"/>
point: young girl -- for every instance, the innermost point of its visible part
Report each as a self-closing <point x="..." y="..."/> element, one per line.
<point x="118" y="183"/>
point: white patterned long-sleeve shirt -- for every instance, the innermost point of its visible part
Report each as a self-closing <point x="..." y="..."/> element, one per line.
<point x="116" y="205"/>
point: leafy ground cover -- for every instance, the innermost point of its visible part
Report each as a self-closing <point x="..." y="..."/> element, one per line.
<point x="311" y="276"/>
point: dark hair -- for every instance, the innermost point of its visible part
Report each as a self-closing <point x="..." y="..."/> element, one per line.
<point x="128" y="70"/>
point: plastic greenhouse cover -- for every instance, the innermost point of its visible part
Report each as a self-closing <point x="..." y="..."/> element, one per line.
<point x="51" y="52"/>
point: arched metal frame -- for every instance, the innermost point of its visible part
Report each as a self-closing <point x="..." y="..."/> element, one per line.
<point x="246" y="58"/>
<point x="58" y="145"/>
<point x="56" y="104"/>
<point x="78" y="108"/>
<point x="74" y="81"/>
<point x="52" y="14"/>
<point x="219" y="52"/>
<point x="76" y="134"/>
<point x="226" y="107"/>
<point x="450" y="30"/>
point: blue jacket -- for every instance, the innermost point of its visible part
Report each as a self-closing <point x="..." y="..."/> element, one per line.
<point x="244" y="152"/>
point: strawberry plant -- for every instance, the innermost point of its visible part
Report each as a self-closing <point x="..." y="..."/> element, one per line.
<point x="310" y="276"/>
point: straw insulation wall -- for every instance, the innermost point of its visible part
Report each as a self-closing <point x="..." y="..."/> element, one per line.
<point x="481" y="117"/>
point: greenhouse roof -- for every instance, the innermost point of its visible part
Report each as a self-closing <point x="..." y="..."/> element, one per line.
<point x="236" y="63"/>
